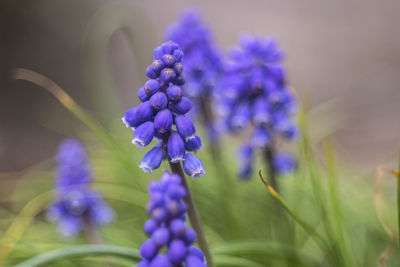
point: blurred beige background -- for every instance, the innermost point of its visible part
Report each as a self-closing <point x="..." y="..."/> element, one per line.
<point x="343" y="58"/>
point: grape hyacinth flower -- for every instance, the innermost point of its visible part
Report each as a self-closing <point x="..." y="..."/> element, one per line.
<point x="203" y="65"/>
<point x="254" y="91"/>
<point x="162" y="115"/>
<point x="76" y="204"/>
<point x="167" y="227"/>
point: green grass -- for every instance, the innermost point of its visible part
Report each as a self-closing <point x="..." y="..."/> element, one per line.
<point x="332" y="219"/>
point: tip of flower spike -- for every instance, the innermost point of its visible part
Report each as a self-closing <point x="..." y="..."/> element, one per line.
<point x="139" y="143"/>
<point x="269" y="188"/>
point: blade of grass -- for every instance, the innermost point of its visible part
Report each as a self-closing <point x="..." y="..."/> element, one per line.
<point x="318" y="190"/>
<point x="337" y="216"/>
<point x="20" y="223"/>
<point x="77" y="111"/>
<point x="46" y="259"/>
<point x="308" y="228"/>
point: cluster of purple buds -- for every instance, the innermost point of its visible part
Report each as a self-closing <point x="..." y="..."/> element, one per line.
<point x="254" y="92"/>
<point x="203" y="62"/>
<point x="162" y="115"/>
<point x="167" y="228"/>
<point x="76" y="203"/>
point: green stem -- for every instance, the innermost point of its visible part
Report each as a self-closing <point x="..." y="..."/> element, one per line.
<point x="192" y="210"/>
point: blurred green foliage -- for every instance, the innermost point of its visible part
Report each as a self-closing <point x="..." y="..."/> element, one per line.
<point x="244" y="225"/>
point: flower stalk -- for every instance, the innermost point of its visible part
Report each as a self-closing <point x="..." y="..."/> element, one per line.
<point x="194" y="217"/>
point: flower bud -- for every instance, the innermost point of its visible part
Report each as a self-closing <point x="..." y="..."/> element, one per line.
<point x="160" y="237"/>
<point x="178" y="55"/>
<point x="177" y="251"/>
<point x="176" y="148"/>
<point x="174" y="93"/>
<point x="150" y="226"/>
<point x="193" y="166"/>
<point x="148" y="250"/>
<point x="193" y="144"/>
<point x="183" y="106"/>
<point x="143" y="134"/>
<point x="151" y="73"/>
<point x="163" y="121"/>
<point x="151" y="87"/>
<point x="178" y="68"/>
<point x="159" y="101"/>
<point x="167" y="75"/>
<point x="185" y="127"/>
<point x="142" y="95"/>
<point x="160" y="261"/>
<point x="284" y="163"/>
<point x="144" y="112"/>
<point x="131" y="119"/>
<point x="157" y="66"/>
<point x="180" y="79"/>
<point x="168" y="60"/>
<point x="152" y="160"/>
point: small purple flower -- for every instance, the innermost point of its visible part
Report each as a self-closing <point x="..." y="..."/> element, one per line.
<point x="143" y="134"/>
<point x="75" y="202"/>
<point x="152" y="160"/>
<point x="169" y="231"/>
<point x="254" y="92"/>
<point x="193" y="166"/>
<point x="163" y="106"/>
<point x="193" y="144"/>
<point x="176" y="148"/>
<point x="185" y="127"/>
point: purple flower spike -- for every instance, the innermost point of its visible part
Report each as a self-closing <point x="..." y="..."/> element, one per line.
<point x="163" y="106"/>
<point x="254" y="92"/>
<point x="193" y="166"/>
<point x="202" y="61"/>
<point x="168" y="231"/>
<point x="76" y="202"/>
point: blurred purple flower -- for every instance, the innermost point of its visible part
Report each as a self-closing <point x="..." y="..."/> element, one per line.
<point x="202" y="61"/>
<point x="167" y="227"/>
<point x="75" y="202"/>
<point x="254" y="92"/>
